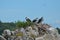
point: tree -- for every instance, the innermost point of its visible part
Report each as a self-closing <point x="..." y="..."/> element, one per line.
<point x="20" y="24"/>
<point x="58" y="30"/>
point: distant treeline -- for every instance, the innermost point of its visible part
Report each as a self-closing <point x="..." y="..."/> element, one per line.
<point x="6" y="25"/>
<point x="14" y="25"/>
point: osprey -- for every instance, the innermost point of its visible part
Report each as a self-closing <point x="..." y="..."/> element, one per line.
<point x="35" y="20"/>
<point x="27" y="19"/>
<point x="40" y="20"/>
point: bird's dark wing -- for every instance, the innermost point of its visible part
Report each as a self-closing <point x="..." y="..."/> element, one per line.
<point x="40" y="20"/>
<point x="35" y="20"/>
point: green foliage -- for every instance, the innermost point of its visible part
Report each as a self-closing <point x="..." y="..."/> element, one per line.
<point x="7" y="25"/>
<point x="58" y="30"/>
<point x="20" y="24"/>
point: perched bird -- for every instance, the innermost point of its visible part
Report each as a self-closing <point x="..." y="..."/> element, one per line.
<point x="27" y="19"/>
<point x="40" y="20"/>
<point x="35" y="20"/>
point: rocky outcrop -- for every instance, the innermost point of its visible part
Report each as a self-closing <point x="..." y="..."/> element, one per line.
<point x="48" y="37"/>
<point x="2" y="38"/>
<point x="33" y="34"/>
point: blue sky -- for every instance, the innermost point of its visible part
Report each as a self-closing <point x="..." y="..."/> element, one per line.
<point x="13" y="10"/>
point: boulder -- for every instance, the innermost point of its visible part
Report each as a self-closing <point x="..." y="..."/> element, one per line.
<point x="2" y="38"/>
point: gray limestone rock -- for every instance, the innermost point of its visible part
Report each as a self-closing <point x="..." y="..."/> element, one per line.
<point x="2" y="38"/>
